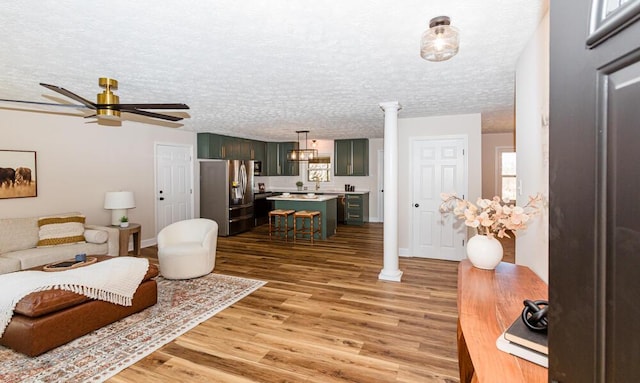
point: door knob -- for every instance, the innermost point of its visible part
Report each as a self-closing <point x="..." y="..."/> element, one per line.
<point x="417" y="205"/>
<point x="161" y="198"/>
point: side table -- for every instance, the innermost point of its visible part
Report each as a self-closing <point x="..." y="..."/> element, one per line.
<point x="125" y="233"/>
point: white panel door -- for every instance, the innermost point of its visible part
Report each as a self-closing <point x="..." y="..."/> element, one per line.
<point x="380" y="185"/>
<point x="438" y="165"/>
<point x="174" y="184"/>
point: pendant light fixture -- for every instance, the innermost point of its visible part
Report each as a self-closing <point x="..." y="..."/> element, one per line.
<point x="440" y="42"/>
<point x="302" y="155"/>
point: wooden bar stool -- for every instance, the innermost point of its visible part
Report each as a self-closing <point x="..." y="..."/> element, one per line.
<point x="276" y="225"/>
<point x="310" y="215"/>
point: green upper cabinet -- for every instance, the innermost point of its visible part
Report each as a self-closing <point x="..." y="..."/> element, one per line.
<point x="290" y="168"/>
<point x="231" y="148"/>
<point x="217" y="146"/>
<point x="203" y="145"/>
<point x="210" y="146"/>
<point x="272" y="165"/>
<point x="259" y="151"/>
<point x="351" y="157"/>
<point x="277" y="164"/>
<point x="272" y="154"/>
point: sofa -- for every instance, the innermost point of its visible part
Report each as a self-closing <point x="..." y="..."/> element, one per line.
<point x="36" y="241"/>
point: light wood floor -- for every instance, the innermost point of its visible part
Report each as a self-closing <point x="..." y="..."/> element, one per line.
<point x="323" y="316"/>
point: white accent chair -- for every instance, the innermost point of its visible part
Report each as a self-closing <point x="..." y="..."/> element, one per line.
<point x="187" y="249"/>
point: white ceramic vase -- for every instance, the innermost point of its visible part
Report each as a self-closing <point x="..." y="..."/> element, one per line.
<point x="484" y="252"/>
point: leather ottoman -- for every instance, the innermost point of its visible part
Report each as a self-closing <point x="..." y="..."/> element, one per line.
<point x="47" y="319"/>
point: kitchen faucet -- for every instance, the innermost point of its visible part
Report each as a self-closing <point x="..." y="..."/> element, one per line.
<point x="317" y="183"/>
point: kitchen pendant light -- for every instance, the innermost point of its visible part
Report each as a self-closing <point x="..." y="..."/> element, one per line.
<point x="440" y="42"/>
<point x="302" y="155"/>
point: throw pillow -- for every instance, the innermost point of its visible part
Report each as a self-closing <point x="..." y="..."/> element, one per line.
<point x="61" y="230"/>
<point x="96" y="236"/>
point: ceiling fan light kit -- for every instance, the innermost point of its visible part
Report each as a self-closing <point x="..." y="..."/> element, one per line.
<point x="441" y="41"/>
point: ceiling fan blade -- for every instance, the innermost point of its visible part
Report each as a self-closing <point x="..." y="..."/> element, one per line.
<point x="70" y="95"/>
<point x="143" y="106"/>
<point x="45" y="104"/>
<point x="152" y="114"/>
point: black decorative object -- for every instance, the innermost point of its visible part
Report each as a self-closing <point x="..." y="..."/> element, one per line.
<point x="534" y="315"/>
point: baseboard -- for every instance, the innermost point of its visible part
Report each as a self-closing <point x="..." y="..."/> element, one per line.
<point x="145" y="243"/>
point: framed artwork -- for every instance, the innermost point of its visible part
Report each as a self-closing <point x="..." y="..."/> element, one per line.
<point x="18" y="175"/>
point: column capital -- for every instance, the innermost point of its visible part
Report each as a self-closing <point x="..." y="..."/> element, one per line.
<point x="390" y="105"/>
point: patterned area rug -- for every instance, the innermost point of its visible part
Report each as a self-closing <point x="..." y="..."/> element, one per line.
<point x="103" y="353"/>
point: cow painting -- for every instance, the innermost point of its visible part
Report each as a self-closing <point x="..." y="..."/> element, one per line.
<point x="7" y="176"/>
<point x="23" y="176"/>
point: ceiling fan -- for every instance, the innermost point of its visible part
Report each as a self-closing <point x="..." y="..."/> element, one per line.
<point x="108" y="104"/>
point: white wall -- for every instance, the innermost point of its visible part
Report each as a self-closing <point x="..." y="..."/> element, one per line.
<point x="410" y="128"/>
<point x="79" y="160"/>
<point x="489" y="161"/>
<point x="532" y="146"/>
<point x="326" y="149"/>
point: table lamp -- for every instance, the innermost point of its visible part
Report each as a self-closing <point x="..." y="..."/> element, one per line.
<point x="118" y="202"/>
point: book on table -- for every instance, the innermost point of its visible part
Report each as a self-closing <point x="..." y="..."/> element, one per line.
<point x="520" y="334"/>
<point x="521" y="351"/>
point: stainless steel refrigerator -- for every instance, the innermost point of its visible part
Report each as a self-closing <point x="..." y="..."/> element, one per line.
<point x="226" y="194"/>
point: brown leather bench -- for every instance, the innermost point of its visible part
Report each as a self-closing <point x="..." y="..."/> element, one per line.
<point x="47" y="319"/>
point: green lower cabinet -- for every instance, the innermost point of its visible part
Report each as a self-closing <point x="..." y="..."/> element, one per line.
<point x="356" y="209"/>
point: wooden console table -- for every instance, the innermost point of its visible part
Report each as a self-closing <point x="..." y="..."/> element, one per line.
<point x="488" y="302"/>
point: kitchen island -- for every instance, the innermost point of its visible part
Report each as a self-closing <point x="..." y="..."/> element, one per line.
<point x="326" y="204"/>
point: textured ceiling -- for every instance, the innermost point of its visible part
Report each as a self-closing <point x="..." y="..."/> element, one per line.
<point x="264" y="69"/>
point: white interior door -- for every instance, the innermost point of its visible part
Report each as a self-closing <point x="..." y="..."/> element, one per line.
<point x="438" y="165"/>
<point x="380" y="185"/>
<point x="174" y="184"/>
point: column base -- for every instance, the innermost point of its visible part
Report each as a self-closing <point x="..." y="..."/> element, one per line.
<point x="390" y="275"/>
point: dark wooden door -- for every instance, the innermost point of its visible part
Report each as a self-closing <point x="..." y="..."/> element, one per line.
<point x="594" y="225"/>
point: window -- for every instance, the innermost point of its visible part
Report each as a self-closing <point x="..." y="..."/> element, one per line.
<point x="319" y="169"/>
<point x="508" y="175"/>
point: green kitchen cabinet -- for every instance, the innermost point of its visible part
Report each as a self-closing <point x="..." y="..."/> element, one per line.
<point x="290" y="168"/>
<point x="272" y="166"/>
<point x="259" y="151"/>
<point x="277" y="164"/>
<point x="356" y="209"/>
<point x="351" y="157"/>
<point x="204" y="147"/>
<point x="221" y="147"/>
<point x="210" y="146"/>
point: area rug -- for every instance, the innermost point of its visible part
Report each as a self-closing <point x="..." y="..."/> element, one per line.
<point x="95" y="357"/>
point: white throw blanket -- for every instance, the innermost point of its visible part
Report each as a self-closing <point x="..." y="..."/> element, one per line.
<point x="114" y="280"/>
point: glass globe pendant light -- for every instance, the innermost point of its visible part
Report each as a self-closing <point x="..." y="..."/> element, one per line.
<point x="440" y="42"/>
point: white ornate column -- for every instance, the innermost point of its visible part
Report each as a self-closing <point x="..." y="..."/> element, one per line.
<point x="390" y="270"/>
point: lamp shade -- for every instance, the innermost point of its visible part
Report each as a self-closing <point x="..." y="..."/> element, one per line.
<point x="118" y="203"/>
<point x="119" y="200"/>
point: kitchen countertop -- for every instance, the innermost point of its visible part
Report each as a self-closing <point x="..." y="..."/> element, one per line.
<point x="327" y="191"/>
<point x="303" y="197"/>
